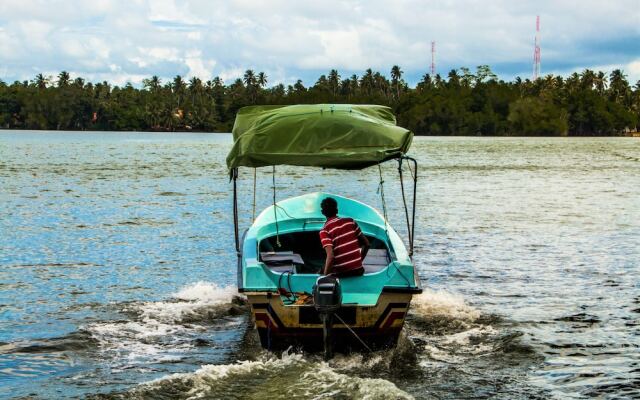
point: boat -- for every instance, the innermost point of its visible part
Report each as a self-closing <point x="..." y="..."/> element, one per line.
<point x="280" y="255"/>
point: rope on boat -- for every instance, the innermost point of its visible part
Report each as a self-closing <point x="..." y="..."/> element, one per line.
<point x="411" y="170"/>
<point x="290" y="295"/>
<point x="384" y="212"/>
<point x="354" y="334"/>
<point x="384" y="204"/>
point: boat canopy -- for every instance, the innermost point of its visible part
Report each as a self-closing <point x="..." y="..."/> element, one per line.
<point x="340" y="136"/>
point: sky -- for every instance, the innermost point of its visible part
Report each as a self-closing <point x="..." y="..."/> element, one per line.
<point x="127" y="41"/>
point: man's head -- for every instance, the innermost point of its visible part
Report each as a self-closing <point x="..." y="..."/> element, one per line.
<point x="329" y="207"/>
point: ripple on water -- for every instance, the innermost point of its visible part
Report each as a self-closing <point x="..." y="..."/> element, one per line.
<point x="539" y="237"/>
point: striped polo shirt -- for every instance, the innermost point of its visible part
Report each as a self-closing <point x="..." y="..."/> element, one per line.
<point x="342" y="234"/>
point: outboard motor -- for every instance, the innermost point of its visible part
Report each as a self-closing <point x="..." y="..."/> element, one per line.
<point x="327" y="299"/>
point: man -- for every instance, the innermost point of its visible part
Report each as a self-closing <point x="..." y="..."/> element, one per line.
<point x="343" y="242"/>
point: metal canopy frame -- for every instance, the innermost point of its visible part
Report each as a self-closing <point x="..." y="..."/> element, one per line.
<point x="410" y="220"/>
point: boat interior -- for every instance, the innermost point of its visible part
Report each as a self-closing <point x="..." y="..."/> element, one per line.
<point x="302" y="253"/>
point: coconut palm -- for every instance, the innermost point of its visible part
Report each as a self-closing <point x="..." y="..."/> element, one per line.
<point x="298" y="87"/>
<point x="600" y="82"/>
<point x="251" y="83"/>
<point x="396" y="75"/>
<point x="262" y="79"/>
<point x="41" y="81"/>
<point x="366" y="82"/>
<point x="618" y="86"/>
<point x="152" y="84"/>
<point x="334" y="82"/>
<point x="587" y="79"/>
<point x="63" y="79"/>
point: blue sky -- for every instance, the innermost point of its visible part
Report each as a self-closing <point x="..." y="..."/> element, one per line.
<point x="127" y="41"/>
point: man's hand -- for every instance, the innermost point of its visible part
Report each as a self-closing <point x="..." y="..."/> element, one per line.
<point x="329" y="260"/>
<point x="364" y="242"/>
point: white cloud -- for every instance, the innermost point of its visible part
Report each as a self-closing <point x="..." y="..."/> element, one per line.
<point x="633" y="69"/>
<point x="197" y="66"/>
<point x="289" y="39"/>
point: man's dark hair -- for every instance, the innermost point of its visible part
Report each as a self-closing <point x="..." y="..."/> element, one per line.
<point x="329" y="207"/>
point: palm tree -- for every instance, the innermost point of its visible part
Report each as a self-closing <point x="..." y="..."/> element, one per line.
<point x="334" y="82"/>
<point x="587" y="79"/>
<point x="178" y="84"/>
<point x="152" y="83"/>
<point x="250" y="81"/>
<point x="78" y="82"/>
<point x="217" y="82"/>
<point x="382" y="84"/>
<point x="396" y="75"/>
<point x="618" y="86"/>
<point x="601" y="83"/>
<point x="178" y="87"/>
<point x="299" y="87"/>
<point x="41" y="81"/>
<point x="425" y="84"/>
<point x="354" y="83"/>
<point x="366" y="82"/>
<point x="438" y="81"/>
<point x="454" y="78"/>
<point x="322" y="84"/>
<point x="249" y="78"/>
<point x="262" y="79"/>
<point x="63" y="79"/>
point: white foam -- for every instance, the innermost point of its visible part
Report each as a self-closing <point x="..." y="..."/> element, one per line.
<point x="333" y="383"/>
<point x="305" y="378"/>
<point x="473" y="341"/>
<point x="158" y="330"/>
<point x="207" y="292"/>
<point x="193" y="302"/>
<point x="440" y="303"/>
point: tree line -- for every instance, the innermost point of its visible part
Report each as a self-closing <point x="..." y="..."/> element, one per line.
<point x="462" y="103"/>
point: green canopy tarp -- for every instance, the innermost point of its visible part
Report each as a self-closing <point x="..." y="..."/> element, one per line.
<point x="320" y="135"/>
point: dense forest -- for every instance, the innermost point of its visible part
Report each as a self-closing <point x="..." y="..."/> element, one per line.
<point x="463" y="103"/>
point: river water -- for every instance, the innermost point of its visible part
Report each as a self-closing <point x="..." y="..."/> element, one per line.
<point x="117" y="271"/>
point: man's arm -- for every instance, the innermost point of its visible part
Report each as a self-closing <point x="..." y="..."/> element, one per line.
<point x="364" y="243"/>
<point x="329" y="260"/>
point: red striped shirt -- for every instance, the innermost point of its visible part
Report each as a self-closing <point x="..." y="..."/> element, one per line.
<point x="342" y="234"/>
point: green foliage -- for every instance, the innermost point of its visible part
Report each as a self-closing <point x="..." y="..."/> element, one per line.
<point x="534" y="116"/>
<point x="465" y="103"/>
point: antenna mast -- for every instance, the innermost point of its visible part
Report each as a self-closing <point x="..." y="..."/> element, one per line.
<point x="536" y="51"/>
<point x="433" y="59"/>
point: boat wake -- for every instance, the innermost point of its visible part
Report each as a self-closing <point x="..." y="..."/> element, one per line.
<point x="163" y="331"/>
<point x="199" y="343"/>
<point x="445" y="340"/>
<point x="453" y="340"/>
<point x="291" y="376"/>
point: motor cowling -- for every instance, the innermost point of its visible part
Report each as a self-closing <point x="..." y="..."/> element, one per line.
<point x="327" y="295"/>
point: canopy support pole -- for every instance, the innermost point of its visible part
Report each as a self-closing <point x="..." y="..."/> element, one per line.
<point x="234" y="177"/>
<point x="411" y="226"/>
<point x="406" y="209"/>
<point x="275" y="211"/>
<point x="254" y="192"/>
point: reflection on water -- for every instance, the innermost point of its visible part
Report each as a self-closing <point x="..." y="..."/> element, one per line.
<point x="117" y="271"/>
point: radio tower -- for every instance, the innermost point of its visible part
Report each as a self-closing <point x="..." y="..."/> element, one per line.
<point x="433" y="59"/>
<point x="536" y="51"/>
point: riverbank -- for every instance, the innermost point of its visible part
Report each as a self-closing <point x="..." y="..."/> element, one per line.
<point x="462" y="103"/>
<point x="17" y="131"/>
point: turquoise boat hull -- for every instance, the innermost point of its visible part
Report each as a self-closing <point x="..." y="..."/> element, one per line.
<point x="374" y="305"/>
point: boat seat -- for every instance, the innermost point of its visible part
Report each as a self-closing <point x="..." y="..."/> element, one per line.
<point x="376" y="260"/>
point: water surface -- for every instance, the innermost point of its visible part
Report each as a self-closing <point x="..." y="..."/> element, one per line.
<point x="117" y="271"/>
